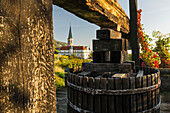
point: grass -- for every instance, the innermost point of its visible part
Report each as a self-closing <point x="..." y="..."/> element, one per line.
<point x="59" y="77"/>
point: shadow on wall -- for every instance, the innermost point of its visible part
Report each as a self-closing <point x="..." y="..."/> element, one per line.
<point x="165" y="78"/>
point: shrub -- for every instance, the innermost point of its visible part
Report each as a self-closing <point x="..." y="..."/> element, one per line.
<point x="58" y="69"/>
<point x="59" y="74"/>
<point x="162" y="48"/>
<point x="62" y="63"/>
<point x="61" y="59"/>
<point x="150" y="57"/>
<point x="59" y="82"/>
<point x="158" y="56"/>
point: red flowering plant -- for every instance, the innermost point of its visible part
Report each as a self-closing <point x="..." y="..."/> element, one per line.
<point x="149" y="57"/>
<point x="163" y="48"/>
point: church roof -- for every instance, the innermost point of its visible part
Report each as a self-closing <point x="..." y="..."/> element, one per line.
<point x="70" y="33"/>
<point x="74" y="48"/>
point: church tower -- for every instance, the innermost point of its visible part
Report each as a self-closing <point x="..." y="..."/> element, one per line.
<point x="70" y="38"/>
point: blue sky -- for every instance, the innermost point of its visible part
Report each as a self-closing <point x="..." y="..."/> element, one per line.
<point x="155" y="16"/>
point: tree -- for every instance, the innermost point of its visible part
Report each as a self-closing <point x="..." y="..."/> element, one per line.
<point x="153" y="55"/>
<point x="149" y="57"/>
<point x="162" y="48"/>
<point x="74" y="55"/>
<point x="90" y="56"/>
<point x="55" y="50"/>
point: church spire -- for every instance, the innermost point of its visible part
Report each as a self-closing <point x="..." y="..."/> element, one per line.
<point x="70" y="34"/>
<point x="70" y="38"/>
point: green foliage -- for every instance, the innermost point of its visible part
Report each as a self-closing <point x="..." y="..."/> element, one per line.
<point x="56" y="51"/>
<point x="61" y="59"/>
<point x="71" y="57"/>
<point x="59" y="74"/>
<point x="59" y="82"/>
<point x="149" y="57"/>
<point x="90" y="56"/>
<point x="70" y="62"/>
<point x="74" y="55"/>
<point x="62" y="63"/>
<point x="129" y="57"/>
<point x="58" y="68"/>
<point x="162" y="48"/>
<point x="157" y="56"/>
<point x="163" y="41"/>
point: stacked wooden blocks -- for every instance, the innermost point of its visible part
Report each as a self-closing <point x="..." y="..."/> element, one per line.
<point x="110" y="48"/>
<point x="109" y="53"/>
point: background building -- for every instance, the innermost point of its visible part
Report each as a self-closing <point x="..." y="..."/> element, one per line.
<point x="79" y="51"/>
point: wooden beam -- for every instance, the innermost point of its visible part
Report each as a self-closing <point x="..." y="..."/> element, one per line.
<point x="133" y="31"/>
<point x="104" y="13"/>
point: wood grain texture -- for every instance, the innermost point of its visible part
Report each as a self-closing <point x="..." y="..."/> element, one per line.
<point x="139" y="96"/>
<point x="104" y="103"/>
<point x="10" y="75"/>
<point x="84" y="94"/>
<point x="26" y="56"/>
<point x="109" y="45"/>
<point x="132" y="97"/>
<point x="111" y="99"/>
<point x="97" y="99"/>
<point x="119" y="99"/>
<point x="114" y="95"/>
<point x="134" y="41"/>
<point x="144" y="84"/>
<point x="107" y="67"/>
<point x="126" y="98"/>
<point x="104" y="13"/>
<point x="90" y="96"/>
<point x="149" y="99"/>
<point x="108" y="34"/>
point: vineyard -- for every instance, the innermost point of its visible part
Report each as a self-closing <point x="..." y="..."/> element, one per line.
<point x="62" y="63"/>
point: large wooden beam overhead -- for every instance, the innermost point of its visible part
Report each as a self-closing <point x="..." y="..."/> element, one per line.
<point x="104" y="13"/>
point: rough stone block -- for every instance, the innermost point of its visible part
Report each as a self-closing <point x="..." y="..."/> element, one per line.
<point x="108" y="34"/>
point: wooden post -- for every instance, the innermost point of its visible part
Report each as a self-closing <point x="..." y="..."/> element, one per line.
<point x="133" y="31"/>
<point x="27" y="80"/>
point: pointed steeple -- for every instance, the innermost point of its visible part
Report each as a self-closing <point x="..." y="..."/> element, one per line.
<point x="70" y="38"/>
<point x="70" y="34"/>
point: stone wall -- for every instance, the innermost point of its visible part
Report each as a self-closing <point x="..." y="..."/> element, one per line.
<point x="26" y="57"/>
<point x="165" y="79"/>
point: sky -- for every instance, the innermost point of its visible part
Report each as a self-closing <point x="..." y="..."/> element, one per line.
<point x="155" y="16"/>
